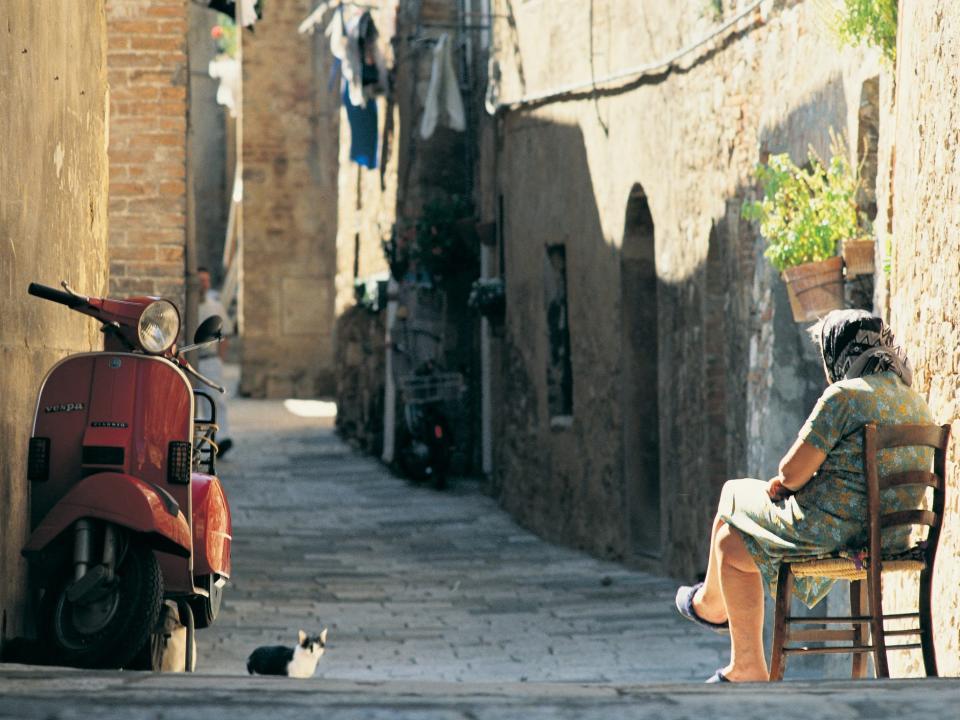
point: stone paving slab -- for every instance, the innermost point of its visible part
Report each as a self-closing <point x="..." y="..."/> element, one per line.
<point x="58" y="694"/>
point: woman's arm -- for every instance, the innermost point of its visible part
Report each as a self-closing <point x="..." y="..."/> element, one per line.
<point x="796" y="468"/>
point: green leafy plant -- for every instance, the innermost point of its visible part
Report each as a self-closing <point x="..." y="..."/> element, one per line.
<point x="873" y="22"/>
<point x="806" y="211"/>
<point x="444" y="245"/>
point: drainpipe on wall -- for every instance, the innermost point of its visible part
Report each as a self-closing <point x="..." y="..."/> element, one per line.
<point x="486" y="406"/>
<point x="390" y="389"/>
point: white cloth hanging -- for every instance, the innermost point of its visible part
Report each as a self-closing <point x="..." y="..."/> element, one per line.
<point x="225" y="69"/>
<point x="345" y="46"/>
<point x="246" y="13"/>
<point x="443" y="93"/>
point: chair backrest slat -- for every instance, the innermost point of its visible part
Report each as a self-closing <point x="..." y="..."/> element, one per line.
<point x="889" y="436"/>
<point x="911" y="477"/>
<point x="909" y="517"/>
<point x="886" y="436"/>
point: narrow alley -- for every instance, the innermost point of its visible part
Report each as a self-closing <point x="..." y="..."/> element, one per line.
<point x="438" y="606"/>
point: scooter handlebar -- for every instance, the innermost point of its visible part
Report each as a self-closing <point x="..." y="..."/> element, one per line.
<point x="54" y="295"/>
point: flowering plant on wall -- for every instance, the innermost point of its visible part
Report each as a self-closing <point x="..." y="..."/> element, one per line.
<point x="488" y="297"/>
<point x="805" y="211"/>
<point x="873" y="22"/>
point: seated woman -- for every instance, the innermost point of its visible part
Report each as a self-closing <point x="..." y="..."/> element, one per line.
<point x="817" y="503"/>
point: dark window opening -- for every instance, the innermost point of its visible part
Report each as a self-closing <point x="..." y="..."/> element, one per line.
<point x="559" y="368"/>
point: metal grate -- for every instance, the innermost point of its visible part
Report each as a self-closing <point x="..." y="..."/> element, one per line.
<point x="38" y="460"/>
<point x="179" y="462"/>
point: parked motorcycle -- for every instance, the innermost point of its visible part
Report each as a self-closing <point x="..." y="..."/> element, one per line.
<point x="127" y="515"/>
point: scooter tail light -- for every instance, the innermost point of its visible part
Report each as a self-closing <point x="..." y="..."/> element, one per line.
<point x="179" y="462"/>
<point x="38" y="460"/>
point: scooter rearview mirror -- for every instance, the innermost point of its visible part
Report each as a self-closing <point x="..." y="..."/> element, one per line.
<point x="210" y="329"/>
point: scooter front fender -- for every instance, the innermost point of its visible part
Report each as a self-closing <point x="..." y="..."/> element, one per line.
<point x="123" y="500"/>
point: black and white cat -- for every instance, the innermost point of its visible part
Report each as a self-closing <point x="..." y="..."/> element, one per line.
<point x="300" y="661"/>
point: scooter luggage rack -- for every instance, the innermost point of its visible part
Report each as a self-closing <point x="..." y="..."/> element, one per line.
<point x="436" y="387"/>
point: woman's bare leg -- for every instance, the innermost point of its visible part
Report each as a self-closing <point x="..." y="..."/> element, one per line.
<point x="708" y="602"/>
<point x="742" y="589"/>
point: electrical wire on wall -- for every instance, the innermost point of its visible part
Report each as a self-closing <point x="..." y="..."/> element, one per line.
<point x="662" y="65"/>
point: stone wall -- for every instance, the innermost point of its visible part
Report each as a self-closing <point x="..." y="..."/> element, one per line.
<point x="148" y="73"/>
<point x="735" y="374"/>
<point x="290" y="155"/>
<point x="920" y="144"/>
<point x="53" y="221"/>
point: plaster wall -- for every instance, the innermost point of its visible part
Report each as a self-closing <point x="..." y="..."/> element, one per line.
<point x="920" y="142"/>
<point x="53" y="221"/>
<point x="290" y="150"/>
<point x="734" y="373"/>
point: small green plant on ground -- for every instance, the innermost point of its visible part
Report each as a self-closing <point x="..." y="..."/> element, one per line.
<point x="873" y="22"/>
<point x="806" y="211"/>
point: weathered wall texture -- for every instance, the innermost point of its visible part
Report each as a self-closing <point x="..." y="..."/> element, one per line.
<point x="290" y="155"/>
<point x="53" y="225"/>
<point x="735" y="374"/>
<point x="924" y="298"/>
<point x="148" y="73"/>
<point x="207" y="144"/>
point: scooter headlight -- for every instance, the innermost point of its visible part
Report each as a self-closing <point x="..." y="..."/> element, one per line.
<point x="159" y="326"/>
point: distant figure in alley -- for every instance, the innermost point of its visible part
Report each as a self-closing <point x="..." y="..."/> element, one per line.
<point x="210" y="362"/>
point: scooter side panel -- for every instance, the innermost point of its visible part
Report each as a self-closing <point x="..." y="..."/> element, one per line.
<point x="121" y="499"/>
<point x="62" y="415"/>
<point x="212" y="527"/>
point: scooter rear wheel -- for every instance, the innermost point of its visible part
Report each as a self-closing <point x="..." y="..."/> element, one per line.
<point x="110" y="631"/>
<point x="206" y="609"/>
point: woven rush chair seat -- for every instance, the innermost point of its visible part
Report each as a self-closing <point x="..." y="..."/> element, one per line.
<point x="842" y="568"/>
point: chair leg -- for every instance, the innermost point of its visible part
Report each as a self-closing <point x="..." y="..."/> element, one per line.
<point x="877" y="637"/>
<point x="858" y="603"/>
<point x="778" y="659"/>
<point x="926" y="624"/>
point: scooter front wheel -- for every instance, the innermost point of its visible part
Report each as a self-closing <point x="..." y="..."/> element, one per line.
<point x="109" y="630"/>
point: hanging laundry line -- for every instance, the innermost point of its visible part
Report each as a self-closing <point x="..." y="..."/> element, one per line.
<point x="319" y="13"/>
<point x="494" y="105"/>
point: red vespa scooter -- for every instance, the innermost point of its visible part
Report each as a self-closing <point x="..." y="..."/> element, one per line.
<point x="126" y="512"/>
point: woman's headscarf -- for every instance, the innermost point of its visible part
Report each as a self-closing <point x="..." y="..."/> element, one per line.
<point x="855" y="343"/>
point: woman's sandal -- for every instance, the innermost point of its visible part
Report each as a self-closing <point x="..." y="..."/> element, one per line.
<point x="718" y="677"/>
<point x="684" y="602"/>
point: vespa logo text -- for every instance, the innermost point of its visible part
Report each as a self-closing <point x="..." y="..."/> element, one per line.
<point x="64" y="407"/>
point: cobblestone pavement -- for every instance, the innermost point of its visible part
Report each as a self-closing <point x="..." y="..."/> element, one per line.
<point x="438" y="606"/>
<point x="417" y="584"/>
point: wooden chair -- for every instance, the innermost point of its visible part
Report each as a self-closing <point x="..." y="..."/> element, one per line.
<point x="866" y="597"/>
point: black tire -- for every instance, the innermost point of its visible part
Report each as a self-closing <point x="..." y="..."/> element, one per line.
<point x="206" y="609"/>
<point x="150" y="656"/>
<point x="111" y="632"/>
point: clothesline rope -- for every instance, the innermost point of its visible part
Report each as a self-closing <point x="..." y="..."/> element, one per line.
<point x="633" y="72"/>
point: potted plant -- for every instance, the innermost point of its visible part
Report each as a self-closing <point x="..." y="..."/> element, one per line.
<point x="488" y="297"/>
<point x="804" y="214"/>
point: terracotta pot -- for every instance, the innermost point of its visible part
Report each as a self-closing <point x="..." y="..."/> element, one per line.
<point x="815" y="288"/>
<point x="858" y="257"/>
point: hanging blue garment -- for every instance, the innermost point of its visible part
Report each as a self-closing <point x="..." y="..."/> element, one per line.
<point x="363" y="130"/>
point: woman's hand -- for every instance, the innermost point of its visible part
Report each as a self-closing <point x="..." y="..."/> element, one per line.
<point x="777" y="491"/>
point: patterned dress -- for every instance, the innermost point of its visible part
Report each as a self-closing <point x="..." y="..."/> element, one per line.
<point x="829" y="513"/>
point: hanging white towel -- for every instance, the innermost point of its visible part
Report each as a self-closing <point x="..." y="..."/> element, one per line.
<point x="443" y="92"/>
<point x="246" y="13"/>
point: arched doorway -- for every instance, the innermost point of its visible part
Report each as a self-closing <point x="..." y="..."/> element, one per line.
<point x="641" y="432"/>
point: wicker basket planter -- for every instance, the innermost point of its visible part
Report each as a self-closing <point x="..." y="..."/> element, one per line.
<point x="858" y="257"/>
<point x="815" y="288"/>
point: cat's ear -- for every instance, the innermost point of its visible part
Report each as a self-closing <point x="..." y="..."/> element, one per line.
<point x="301" y="637"/>
<point x="323" y="637"/>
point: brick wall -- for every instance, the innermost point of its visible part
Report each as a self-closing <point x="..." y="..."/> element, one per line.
<point x="53" y="221"/>
<point x="924" y="294"/>
<point x="147" y="71"/>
